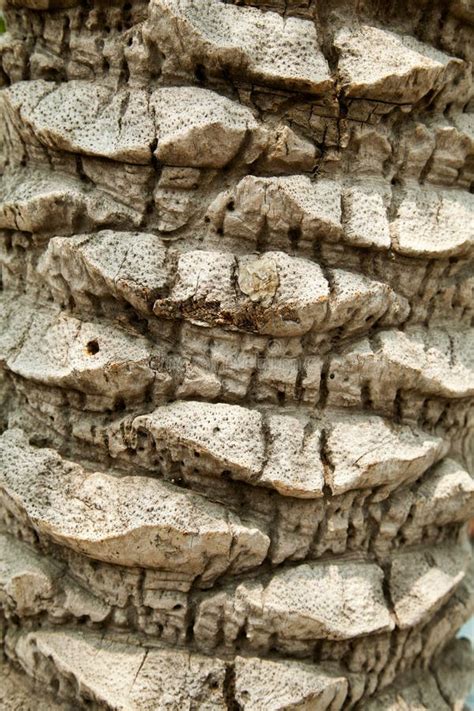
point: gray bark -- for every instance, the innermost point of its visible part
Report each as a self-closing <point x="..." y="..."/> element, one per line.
<point x="236" y="354"/>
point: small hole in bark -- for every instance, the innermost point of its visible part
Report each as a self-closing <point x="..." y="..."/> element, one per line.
<point x="119" y="404"/>
<point x="231" y="206"/>
<point x="200" y="73"/>
<point x="92" y="347"/>
<point x="332" y="376"/>
<point x="220" y="231"/>
<point x="294" y="235"/>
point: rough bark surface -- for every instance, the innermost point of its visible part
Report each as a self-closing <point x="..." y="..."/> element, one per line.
<point x="236" y="353"/>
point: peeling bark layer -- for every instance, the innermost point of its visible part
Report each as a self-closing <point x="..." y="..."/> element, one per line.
<point x="236" y="353"/>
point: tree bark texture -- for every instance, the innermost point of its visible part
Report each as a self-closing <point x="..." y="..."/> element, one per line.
<point x="236" y="350"/>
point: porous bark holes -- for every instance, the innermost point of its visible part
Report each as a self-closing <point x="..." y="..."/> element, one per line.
<point x="92" y="347"/>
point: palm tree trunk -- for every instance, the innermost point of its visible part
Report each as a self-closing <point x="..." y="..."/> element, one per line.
<point x="236" y="346"/>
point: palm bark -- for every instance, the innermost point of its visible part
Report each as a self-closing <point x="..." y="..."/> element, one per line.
<point x="236" y="348"/>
